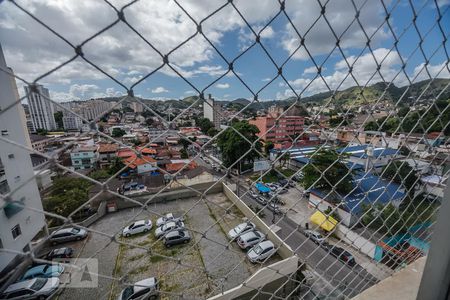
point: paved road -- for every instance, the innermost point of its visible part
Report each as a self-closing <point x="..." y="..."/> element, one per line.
<point x="351" y="281"/>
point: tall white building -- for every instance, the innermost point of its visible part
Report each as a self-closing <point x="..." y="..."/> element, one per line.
<point x="137" y="107"/>
<point x="41" y="110"/>
<point x="212" y="111"/>
<point x="18" y="224"/>
<point x="72" y="121"/>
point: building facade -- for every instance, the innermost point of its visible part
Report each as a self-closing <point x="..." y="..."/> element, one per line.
<point x="284" y="129"/>
<point x="18" y="225"/>
<point x="84" y="158"/>
<point x="71" y="121"/>
<point x="212" y="111"/>
<point x="41" y="109"/>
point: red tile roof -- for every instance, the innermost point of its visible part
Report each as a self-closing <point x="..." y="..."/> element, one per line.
<point x="133" y="162"/>
<point x="107" y="148"/>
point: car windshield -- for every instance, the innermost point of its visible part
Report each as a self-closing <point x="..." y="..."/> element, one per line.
<point x="168" y="225"/>
<point x="127" y="293"/>
<point x="258" y="249"/>
<point x="75" y="230"/>
<point x="240" y="227"/>
<point x="38" y="284"/>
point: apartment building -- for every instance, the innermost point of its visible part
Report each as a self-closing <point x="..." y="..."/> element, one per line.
<point x="41" y="109"/>
<point x="212" y="111"/>
<point x="278" y="128"/>
<point x="84" y="157"/>
<point x="18" y="225"/>
<point x="71" y="121"/>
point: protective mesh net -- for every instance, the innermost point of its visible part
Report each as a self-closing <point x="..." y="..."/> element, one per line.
<point x="369" y="184"/>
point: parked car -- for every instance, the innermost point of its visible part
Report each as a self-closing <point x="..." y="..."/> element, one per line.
<point x="141" y="290"/>
<point x="274" y="208"/>
<point x="341" y="254"/>
<point x="261" y="251"/>
<point x="37" y="288"/>
<point x="164" y="219"/>
<point x="240" y="229"/>
<point x="43" y="271"/>
<point x="67" y="235"/>
<point x="253" y="194"/>
<point x="272" y="186"/>
<point x="175" y="237"/>
<point x="283" y="182"/>
<point x="261" y="200"/>
<point x="281" y="191"/>
<point x="137" y="227"/>
<point x="314" y="236"/>
<point x="249" y="239"/>
<point x="65" y="252"/>
<point x="169" y="226"/>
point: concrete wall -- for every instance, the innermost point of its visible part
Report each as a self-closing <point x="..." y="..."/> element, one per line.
<point x="170" y="195"/>
<point x="284" y="250"/>
<point x="355" y="240"/>
<point x="346" y="218"/>
<point x="269" y="279"/>
<point x="101" y="211"/>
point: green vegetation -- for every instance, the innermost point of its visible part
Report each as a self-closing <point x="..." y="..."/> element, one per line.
<point x="401" y="173"/>
<point x="116" y="166"/>
<point x="66" y="195"/>
<point x="118" y="132"/>
<point x="41" y="131"/>
<point x="204" y="124"/>
<point x="391" y="220"/>
<point x="424" y="120"/>
<point x="325" y="171"/>
<point x="267" y="147"/>
<point x="59" y="119"/>
<point x="234" y="147"/>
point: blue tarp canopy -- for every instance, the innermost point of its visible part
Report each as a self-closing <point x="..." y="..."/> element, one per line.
<point x="262" y="188"/>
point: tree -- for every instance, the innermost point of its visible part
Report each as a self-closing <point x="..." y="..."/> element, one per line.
<point x="401" y="173"/>
<point x="184" y="153"/>
<point x="149" y="121"/>
<point x="234" y="147"/>
<point x="136" y="142"/>
<point x="41" y="131"/>
<point x="185" y="143"/>
<point x="59" y="119"/>
<point x="116" y="166"/>
<point x="212" y="131"/>
<point x="285" y="157"/>
<point x="118" y="132"/>
<point x="335" y="173"/>
<point x="268" y="146"/>
<point x="204" y="124"/>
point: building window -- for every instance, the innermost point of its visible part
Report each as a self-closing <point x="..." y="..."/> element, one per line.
<point x="10" y="156"/>
<point x="16" y="231"/>
<point x="5" y="132"/>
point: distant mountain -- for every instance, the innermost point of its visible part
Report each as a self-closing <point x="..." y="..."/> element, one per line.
<point x="426" y="89"/>
<point x="392" y="93"/>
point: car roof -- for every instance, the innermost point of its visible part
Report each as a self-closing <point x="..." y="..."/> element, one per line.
<point x="140" y="222"/>
<point x="143" y="284"/>
<point x="174" y="233"/>
<point x="64" y="230"/>
<point x="169" y="215"/>
<point x="267" y="244"/>
<point x="26" y="284"/>
<point x="250" y="234"/>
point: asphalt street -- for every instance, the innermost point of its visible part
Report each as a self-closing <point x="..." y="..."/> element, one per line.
<point x="348" y="280"/>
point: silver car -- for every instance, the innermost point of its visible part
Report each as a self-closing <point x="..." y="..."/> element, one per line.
<point x="240" y="229"/>
<point x="164" y="219"/>
<point x="37" y="288"/>
<point x="261" y="251"/>
<point x="67" y="235"/>
<point x="169" y="226"/>
<point x="141" y="290"/>
<point x="249" y="239"/>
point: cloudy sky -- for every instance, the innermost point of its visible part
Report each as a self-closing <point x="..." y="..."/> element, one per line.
<point x="164" y="28"/>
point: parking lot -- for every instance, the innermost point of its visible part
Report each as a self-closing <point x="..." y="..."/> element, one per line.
<point x="199" y="269"/>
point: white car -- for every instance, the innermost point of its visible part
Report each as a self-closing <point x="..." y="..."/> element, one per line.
<point x="169" y="226"/>
<point x="240" y="229"/>
<point x="164" y="219"/>
<point x="249" y="239"/>
<point x="144" y="289"/>
<point x="37" y="288"/>
<point x="314" y="236"/>
<point x="137" y="227"/>
<point x="261" y="251"/>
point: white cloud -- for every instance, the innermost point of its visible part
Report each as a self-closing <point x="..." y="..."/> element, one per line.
<point x="364" y="69"/>
<point x="439" y="70"/>
<point x="222" y="85"/>
<point x="189" y="92"/>
<point x="159" y="90"/>
<point x="312" y="70"/>
<point x="84" y="92"/>
<point x="266" y="79"/>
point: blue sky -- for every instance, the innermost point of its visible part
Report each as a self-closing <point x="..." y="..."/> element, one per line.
<point x="32" y="50"/>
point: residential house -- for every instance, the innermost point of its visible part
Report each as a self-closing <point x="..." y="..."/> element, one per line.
<point x="84" y="158"/>
<point x="106" y="154"/>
